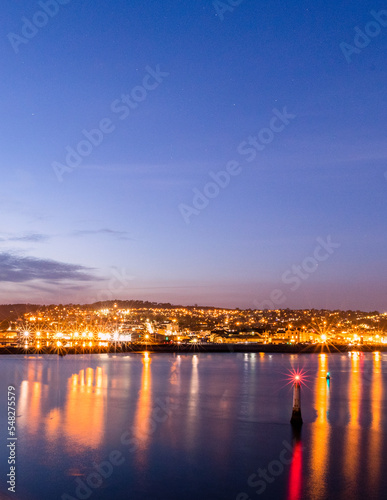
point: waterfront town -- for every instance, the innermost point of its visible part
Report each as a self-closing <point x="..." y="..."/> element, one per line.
<point x="136" y="322"/>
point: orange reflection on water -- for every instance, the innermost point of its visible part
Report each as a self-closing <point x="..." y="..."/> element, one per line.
<point x="192" y="409"/>
<point x="83" y="415"/>
<point x="34" y="409"/>
<point x="174" y="378"/>
<point x="82" y="419"/>
<point x="353" y="433"/>
<point x="375" y="441"/>
<point x="53" y="424"/>
<point x="142" y="420"/>
<point x="320" y="435"/>
<point x="31" y="393"/>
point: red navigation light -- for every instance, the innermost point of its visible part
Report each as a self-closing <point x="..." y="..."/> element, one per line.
<point x="297" y="375"/>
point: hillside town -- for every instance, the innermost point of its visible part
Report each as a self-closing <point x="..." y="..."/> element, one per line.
<point x="122" y="322"/>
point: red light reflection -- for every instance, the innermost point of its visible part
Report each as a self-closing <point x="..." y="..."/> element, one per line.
<point x="295" y="474"/>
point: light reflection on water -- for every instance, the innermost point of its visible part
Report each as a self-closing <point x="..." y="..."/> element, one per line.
<point x="320" y="435"/>
<point x="375" y="441"/>
<point x="228" y="418"/>
<point x="353" y="429"/>
<point x="142" y="420"/>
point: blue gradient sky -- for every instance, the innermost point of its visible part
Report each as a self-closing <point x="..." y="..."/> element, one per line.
<point x="113" y="227"/>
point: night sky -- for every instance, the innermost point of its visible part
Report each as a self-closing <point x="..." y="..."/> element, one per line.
<point x="220" y="153"/>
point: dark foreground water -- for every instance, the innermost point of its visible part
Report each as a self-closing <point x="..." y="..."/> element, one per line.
<point x="199" y="426"/>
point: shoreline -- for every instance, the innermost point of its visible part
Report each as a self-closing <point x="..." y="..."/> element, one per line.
<point x="200" y="348"/>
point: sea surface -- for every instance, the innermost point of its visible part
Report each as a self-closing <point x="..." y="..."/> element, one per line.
<point x="195" y="426"/>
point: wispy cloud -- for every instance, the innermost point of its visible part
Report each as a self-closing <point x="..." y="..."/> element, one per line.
<point x="19" y="269"/>
<point x="120" y="235"/>
<point x="28" y="238"/>
<point x="40" y="237"/>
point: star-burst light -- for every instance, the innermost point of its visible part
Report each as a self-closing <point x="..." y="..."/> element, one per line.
<point x="297" y="375"/>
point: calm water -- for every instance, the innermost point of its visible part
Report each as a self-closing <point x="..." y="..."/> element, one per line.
<point x="196" y="427"/>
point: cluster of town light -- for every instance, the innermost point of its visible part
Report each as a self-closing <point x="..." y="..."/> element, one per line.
<point x="84" y="339"/>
